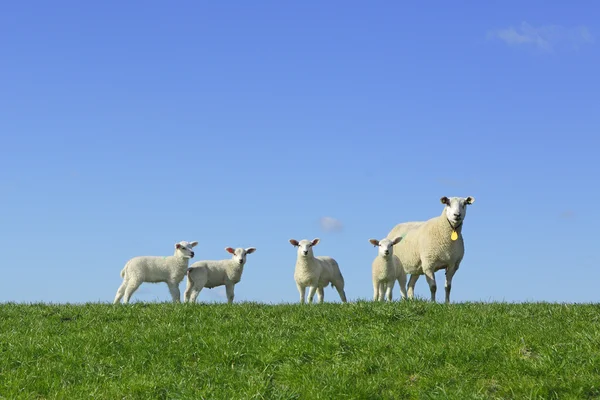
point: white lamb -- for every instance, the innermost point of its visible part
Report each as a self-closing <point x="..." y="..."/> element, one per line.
<point x="316" y="272"/>
<point x="386" y="269"/>
<point x="431" y="245"/>
<point x="154" y="269"/>
<point x="213" y="273"/>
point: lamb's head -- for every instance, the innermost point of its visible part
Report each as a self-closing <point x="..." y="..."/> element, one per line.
<point x="183" y="249"/>
<point x="305" y="246"/>
<point x="239" y="254"/>
<point x="456" y="208"/>
<point x="386" y="246"/>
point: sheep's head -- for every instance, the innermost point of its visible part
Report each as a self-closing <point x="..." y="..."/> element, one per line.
<point x="239" y="254"/>
<point x="184" y="249"/>
<point x="386" y="246"/>
<point x="456" y="208"/>
<point x="305" y="246"/>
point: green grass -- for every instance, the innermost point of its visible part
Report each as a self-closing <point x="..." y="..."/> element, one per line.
<point x="358" y="350"/>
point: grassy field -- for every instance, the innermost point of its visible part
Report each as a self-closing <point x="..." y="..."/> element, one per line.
<point x="332" y="351"/>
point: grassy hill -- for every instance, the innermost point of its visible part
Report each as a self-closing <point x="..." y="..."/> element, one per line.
<point x="332" y="351"/>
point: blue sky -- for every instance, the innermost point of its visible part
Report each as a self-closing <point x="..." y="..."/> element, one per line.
<point x="126" y="127"/>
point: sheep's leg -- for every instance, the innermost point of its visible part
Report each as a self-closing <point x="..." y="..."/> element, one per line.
<point x="320" y="294"/>
<point x="375" y="290"/>
<point x="311" y="293"/>
<point x="448" y="286"/>
<point x="389" y="289"/>
<point x="411" y="285"/>
<point x="175" y="292"/>
<point x="229" y="290"/>
<point x="302" y="290"/>
<point x="341" y="292"/>
<point x="194" y="294"/>
<point x="430" y="276"/>
<point x="188" y="290"/>
<point x="120" y="292"/>
<point x="130" y="289"/>
<point x="402" y="284"/>
<point x="381" y="291"/>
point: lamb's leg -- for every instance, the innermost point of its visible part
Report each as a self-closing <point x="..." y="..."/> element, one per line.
<point x="302" y="290"/>
<point x="411" y="285"/>
<point x="389" y="289"/>
<point x="311" y="293"/>
<point x="402" y="283"/>
<point x="375" y="290"/>
<point x="341" y="292"/>
<point x="449" y="274"/>
<point x="194" y="294"/>
<point x="130" y="289"/>
<point x="120" y="292"/>
<point x="188" y="290"/>
<point x="229" y="290"/>
<point x="430" y="276"/>
<point x="320" y="294"/>
<point x="175" y="292"/>
<point x="381" y="291"/>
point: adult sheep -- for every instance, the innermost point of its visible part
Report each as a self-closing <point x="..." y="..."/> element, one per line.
<point x="428" y="246"/>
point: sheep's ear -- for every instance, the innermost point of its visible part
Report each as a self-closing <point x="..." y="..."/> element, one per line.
<point x="294" y="242"/>
<point x="397" y="240"/>
<point x="374" y="242"/>
<point x="315" y="241"/>
<point x="193" y="244"/>
<point x="470" y="200"/>
<point x="177" y="245"/>
<point x="445" y="200"/>
<point x="230" y="250"/>
<point x="250" y="250"/>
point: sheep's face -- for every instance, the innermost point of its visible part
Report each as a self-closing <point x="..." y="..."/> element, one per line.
<point x="184" y="249"/>
<point x="385" y="246"/>
<point x="456" y="208"/>
<point x="239" y="254"/>
<point x="305" y="246"/>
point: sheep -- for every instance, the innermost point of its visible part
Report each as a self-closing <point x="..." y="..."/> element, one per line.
<point x="316" y="272"/>
<point x="154" y="269"/>
<point x="386" y="269"/>
<point x="431" y="245"/>
<point x="213" y="273"/>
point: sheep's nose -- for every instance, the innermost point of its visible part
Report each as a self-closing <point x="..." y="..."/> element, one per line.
<point x="240" y="261"/>
<point x="386" y="252"/>
<point x="457" y="215"/>
<point x="305" y="252"/>
<point x="192" y="254"/>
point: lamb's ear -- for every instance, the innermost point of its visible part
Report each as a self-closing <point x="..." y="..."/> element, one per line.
<point x="230" y="250"/>
<point x="470" y="200"/>
<point x="194" y="244"/>
<point x="294" y="242"/>
<point x="315" y="241"/>
<point x="250" y="250"/>
<point x="397" y="240"/>
<point x="445" y="200"/>
<point x="177" y="245"/>
<point x="374" y="242"/>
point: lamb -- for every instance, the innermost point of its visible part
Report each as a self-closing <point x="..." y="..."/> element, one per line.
<point x="316" y="272"/>
<point x="431" y="245"/>
<point x="154" y="269"/>
<point x="213" y="273"/>
<point x="386" y="269"/>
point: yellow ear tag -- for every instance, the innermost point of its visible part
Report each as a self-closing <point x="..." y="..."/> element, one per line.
<point x="454" y="235"/>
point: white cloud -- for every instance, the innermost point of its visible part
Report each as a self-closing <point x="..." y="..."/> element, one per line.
<point x="329" y="224"/>
<point x="545" y="38"/>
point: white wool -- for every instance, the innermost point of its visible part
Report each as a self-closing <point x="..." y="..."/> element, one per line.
<point x="386" y="269"/>
<point x="153" y="269"/>
<point x="427" y="246"/>
<point x="213" y="273"/>
<point x="316" y="272"/>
